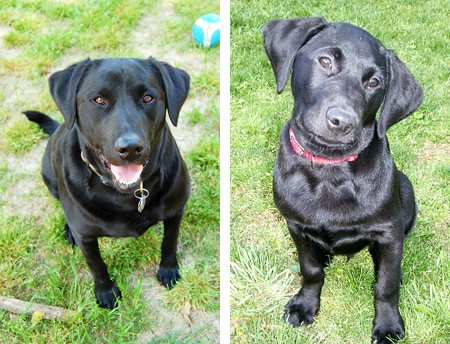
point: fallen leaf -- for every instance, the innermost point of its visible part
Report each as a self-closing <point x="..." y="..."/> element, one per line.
<point x="37" y="316"/>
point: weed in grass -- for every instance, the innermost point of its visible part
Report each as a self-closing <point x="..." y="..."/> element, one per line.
<point x="20" y="136"/>
<point x="207" y="80"/>
<point x="203" y="207"/>
<point x="258" y="285"/>
<point x="195" y="116"/>
<point x="194" y="289"/>
<point x="14" y="249"/>
<point x="16" y="38"/>
<point x="3" y="176"/>
<point x="33" y="22"/>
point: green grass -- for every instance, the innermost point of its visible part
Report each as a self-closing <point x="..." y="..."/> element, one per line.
<point x="45" y="30"/>
<point x="36" y="263"/>
<point x="264" y="268"/>
<point x="21" y="136"/>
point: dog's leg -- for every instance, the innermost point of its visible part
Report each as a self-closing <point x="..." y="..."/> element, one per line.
<point x="388" y="321"/>
<point x="168" y="268"/>
<point x="302" y="307"/>
<point x="106" y="291"/>
<point x="373" y="253"/>
<point x="69" y="237"/>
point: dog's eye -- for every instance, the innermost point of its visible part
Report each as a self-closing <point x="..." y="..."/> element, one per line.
<point x="325" y="62"/>
<point x="147" y="99"/>
<point x="373" y="82"/>
<point x="100" y="100"/>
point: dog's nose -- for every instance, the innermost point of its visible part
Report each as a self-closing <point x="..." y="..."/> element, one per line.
<point x="340" y="121"/>
<point x="129" y="146"/>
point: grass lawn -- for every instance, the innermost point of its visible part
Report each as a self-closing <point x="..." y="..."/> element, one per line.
<point x="38" y="38"/>
<point x="264" y="268"/>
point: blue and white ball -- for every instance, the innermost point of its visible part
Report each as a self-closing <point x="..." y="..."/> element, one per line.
<point x="206" y="30"/>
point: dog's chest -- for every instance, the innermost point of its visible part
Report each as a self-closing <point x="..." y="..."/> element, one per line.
<point x="131" y="224"/>
<point x="313" y="201"/>
<point x="117" y="215"/>
<point x="334" y="211"/>
<point x="335" y="240"/>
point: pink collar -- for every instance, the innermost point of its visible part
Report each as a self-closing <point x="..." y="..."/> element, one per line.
<point x="315" y="159"/>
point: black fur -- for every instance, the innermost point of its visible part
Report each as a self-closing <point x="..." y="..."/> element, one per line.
<point x="341" y="77"/>
<point x="108" y="121"/>
<point x="48" y="124"/>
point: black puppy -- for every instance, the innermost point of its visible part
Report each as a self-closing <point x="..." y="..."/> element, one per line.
<point x="114" y="164"/>
<point x="334" y="180"/>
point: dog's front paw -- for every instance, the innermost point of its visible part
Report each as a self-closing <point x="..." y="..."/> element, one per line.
<point x="168" y="276"/>
<point x="107" y="298"/>
<point x="388" y="328"/>
<point x="300" y="311"/>
<point x="387" y="334"/>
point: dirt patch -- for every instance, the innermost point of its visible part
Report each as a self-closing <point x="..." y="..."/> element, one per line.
<point x="432" y="152"/>
<point x="196" y="326"/>
<point x="17" y="92"/>
<point x="6" y="53"/>
<point x="187" y="135"/>
<point x="24" y="196"/>
<point x="147" y="40"/>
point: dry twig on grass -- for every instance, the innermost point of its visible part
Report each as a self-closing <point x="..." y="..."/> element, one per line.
<point x="36" y="310"/>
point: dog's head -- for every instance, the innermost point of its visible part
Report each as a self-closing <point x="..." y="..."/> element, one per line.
<point x="118" y="107"/>
<point x="341" y="77"/>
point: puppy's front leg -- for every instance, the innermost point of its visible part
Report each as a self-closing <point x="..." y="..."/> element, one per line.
<point x="168" y="268"/>
<point x="388" y="322"/>
<point x="302" y="307"/>
<point x="106" y="291"/>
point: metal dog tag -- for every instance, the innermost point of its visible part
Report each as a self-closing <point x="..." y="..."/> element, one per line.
<point x="143" y="194"/>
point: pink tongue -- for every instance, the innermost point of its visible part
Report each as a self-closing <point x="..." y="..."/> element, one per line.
<point x="127" y="173"/>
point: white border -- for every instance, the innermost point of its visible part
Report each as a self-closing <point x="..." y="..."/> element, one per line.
<point x="225" y="172"/>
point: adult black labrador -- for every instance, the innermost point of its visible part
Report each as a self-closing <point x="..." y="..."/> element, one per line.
<point x="335" y="181"/>
<point x="114" y="164"/>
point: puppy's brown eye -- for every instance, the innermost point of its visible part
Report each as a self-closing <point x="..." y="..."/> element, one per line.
<point x="325" y="62"/>
<point x="100" y="100"/>
<point x="373" y="82"/>
<point x="147" y="98"/>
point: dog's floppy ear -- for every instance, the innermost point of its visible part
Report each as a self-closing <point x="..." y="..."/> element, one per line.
<point x="402" y="97"/>
<point x="176" y="87"/>
<point x="64" y="88"/>
<point x="283" y="38"/>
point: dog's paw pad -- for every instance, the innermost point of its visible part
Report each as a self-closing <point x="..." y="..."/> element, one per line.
<point x="298" y="318"/>
<point x="168" y="276"/>
<point x="108" y="298"/>
<point x="388" y="325"/>
<point x="299" y="313"/>
<point x="387" y="336"/>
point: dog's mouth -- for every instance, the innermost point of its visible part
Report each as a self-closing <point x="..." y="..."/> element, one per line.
<point x="323" y="146"/>
<point x="125" y="177"/>
<point x="330" y="143"/>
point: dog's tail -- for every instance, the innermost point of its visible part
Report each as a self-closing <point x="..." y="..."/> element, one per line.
<point x="47" y="124"/>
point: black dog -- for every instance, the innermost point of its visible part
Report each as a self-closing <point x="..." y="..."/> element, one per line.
<point x="114" y="164"/>
<point x="334" y="180"/>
